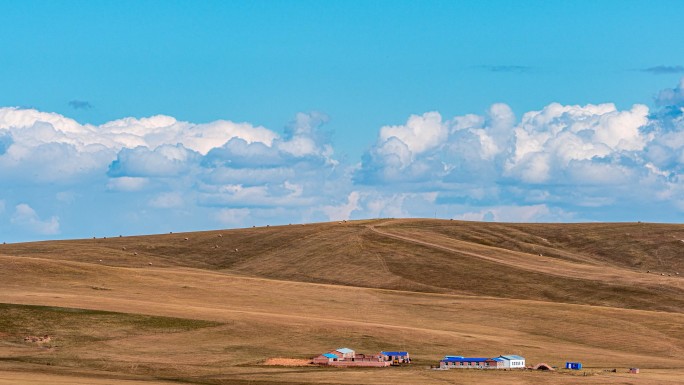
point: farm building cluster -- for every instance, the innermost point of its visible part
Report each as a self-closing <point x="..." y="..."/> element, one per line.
<point x="345" y="357"/>
<point x="348" y="357"/>
<point x="500" y="362"/>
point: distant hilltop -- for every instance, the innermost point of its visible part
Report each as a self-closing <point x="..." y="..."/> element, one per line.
<point x="609" y="264"/>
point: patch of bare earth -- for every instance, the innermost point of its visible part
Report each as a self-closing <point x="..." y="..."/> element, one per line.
<point x="277" y="361"/>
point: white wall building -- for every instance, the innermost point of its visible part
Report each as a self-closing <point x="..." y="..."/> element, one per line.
<point x="346" y="353"/>
<point x="513" y="362"/>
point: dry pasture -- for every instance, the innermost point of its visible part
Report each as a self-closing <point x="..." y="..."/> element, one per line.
<point x="154" y="309"/>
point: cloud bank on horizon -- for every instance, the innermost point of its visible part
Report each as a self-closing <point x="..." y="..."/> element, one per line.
<point x="158" y="174"/>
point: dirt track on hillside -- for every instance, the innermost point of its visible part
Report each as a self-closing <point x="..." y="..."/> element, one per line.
<point x="539" y="263"/>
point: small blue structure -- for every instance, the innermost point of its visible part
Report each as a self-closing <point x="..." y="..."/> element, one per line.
<point x="329" y="355"/>
<point x="573" y="365"/>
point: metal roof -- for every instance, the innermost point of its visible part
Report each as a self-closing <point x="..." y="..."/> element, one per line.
<point x="497" y="359"/>
<point x="401" y="354"/>
<point x="329" y="355"/>
<point x="344" y="350"/>
<point x="512" y="357"/>
<point x="464" y="359"/>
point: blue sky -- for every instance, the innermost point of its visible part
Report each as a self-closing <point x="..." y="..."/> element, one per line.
<point x="154" y="116"/>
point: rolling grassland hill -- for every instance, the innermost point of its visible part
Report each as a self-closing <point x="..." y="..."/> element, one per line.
<point x="211" y="307"/>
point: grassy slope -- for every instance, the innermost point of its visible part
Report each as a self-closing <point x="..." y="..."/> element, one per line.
<point x="577" y="264"/>
<point x="457" y="287"/>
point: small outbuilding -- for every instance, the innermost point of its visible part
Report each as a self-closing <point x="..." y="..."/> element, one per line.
<point x="573" y="365"/>
<point x="634" y="370"/>
<point x="345" y="357"/>
<point x="396" y="358"/>
<point x="347" y="354"/>
<point x="325" y="359"/>
<point x="542" y="366"/>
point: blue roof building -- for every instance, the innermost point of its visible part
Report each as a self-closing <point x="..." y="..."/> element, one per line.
<point x="399" y="354"/>
<point x="396" y="357"/>
<point x="464" y="359"/>
<point x="452" y="362"/>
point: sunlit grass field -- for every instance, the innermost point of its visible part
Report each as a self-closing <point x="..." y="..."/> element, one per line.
<point x="211" y="307"/>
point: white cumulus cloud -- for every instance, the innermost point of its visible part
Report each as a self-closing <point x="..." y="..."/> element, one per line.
<point x="343" y="211"/>
<point x="560" y="162"/>
<point x="547" y="141"/>
<point x="420" y="133"/>
<point x="127" y="183"/>
<point x="26" y="217"/>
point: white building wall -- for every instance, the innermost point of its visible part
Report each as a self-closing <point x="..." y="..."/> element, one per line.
<point x="512" y="364"/>
<point x="517" y="364"/>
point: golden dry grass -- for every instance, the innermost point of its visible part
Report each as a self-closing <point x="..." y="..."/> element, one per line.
<point x="202" y="314"/>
